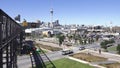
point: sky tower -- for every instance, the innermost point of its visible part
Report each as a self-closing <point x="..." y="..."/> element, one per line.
<point x="51" y="14"/>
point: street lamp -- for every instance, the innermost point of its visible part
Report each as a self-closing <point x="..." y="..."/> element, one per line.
<point x="31" y="59"/>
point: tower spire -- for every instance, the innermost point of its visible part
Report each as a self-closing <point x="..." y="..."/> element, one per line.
<point x="51" y="13"/>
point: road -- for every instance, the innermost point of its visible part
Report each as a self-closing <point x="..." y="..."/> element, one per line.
<point x="58" y="54"/>
<point x="25" y="62"/>
<point x="55" y="55"/>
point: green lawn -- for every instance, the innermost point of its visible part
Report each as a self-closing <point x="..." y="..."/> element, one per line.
<point x="112" y="48"/>
<point x="43" y="51"/>
<point x="67" y="63"/>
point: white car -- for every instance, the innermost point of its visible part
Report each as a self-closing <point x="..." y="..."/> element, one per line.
<point x="66" y="51"/>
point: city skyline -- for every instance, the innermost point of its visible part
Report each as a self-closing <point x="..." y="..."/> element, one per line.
<point x="88" y="12"/>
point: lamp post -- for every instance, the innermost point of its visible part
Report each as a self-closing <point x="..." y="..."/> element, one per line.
<point x="31" y="59"/>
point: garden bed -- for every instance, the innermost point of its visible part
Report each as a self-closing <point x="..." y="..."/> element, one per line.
<point x="49" y="47"/>
<point x="112" y="65"/>
<point x="88" y="57"/>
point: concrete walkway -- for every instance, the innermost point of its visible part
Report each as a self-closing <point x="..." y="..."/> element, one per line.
<point x="85" y="62"/>
<point x="104" y="62"/>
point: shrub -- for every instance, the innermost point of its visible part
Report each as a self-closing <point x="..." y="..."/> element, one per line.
<point x="118" y="48"/>
<point x="104" y="44"/>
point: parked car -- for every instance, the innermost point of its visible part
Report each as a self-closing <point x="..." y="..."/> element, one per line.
<point x="67" y="51"/>
<point x="108" y="45"/>
<point x="82" y="48"/>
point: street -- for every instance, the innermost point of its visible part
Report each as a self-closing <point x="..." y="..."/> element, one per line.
<point x="25" y="60"/>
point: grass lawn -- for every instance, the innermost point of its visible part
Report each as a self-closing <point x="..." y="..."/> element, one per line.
<point x="113" y="65"/>
<point x="112" y="48"/>
<point x="43" y="51"/>
<point x="88" y="57"/>
<point x="67" y="63"/>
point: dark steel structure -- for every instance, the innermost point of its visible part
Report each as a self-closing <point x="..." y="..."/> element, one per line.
<point x="11" y="35"/>
<point x="38" y="58"/>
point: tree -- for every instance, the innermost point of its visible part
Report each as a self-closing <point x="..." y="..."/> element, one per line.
<point x="60" y="38"/>
<point x="118" y="48"/>
<point x="49" y="34"/>
<point x="80" y="40"/>
<point x="111" y="41"/>
<point x="97" y="37"/>
<point x="92" y="40"/>
<point x="70" y="37"/>
<point x="85" y="41"/>
<point x="89" y="41"/>
<point x="24" y="23"/>
<point x="104" y="44"/>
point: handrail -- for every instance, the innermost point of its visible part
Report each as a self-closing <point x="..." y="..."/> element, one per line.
<point x="47" y="58"/>
<point x="3" y="46"/>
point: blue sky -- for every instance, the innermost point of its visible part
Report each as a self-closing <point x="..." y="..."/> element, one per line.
<point x="88" y="12"/>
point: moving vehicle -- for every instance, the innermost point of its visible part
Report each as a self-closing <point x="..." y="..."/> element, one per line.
<point x="82" y="48"/>
<point x="67" y="51"/>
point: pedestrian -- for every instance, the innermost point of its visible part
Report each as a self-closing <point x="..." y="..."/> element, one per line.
<point x="99" y="51"/>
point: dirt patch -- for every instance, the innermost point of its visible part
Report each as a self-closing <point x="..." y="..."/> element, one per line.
<point x="112" y="65"/>
<point x="49" y="47"/>
<point x="88" y="57"/>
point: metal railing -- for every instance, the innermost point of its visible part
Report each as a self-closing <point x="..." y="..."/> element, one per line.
<point x="49" y="62"/>
<point x="38" y="57"/>
<point x="45" y="61"/>
<point x="11" y="35"/>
